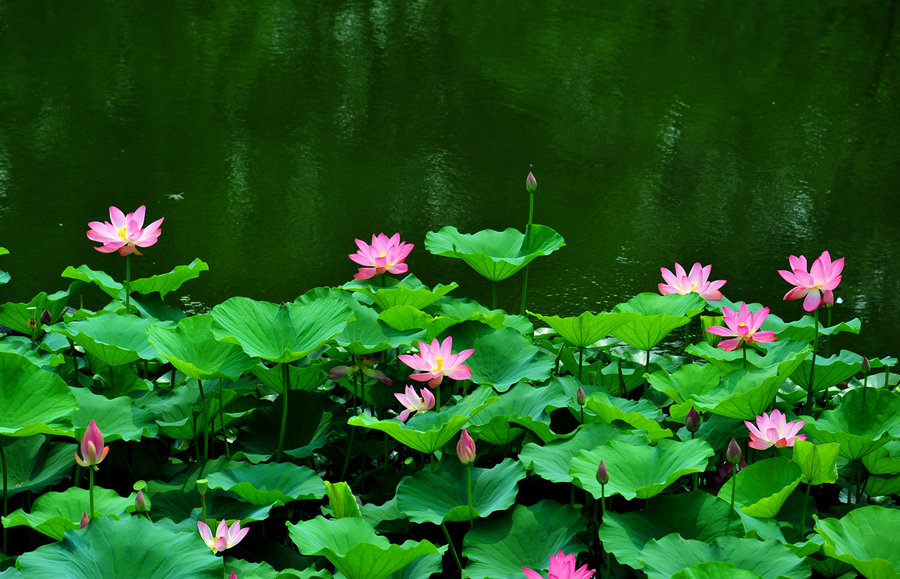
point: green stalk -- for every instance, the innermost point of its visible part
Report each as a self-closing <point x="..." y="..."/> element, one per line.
<point x="205" y="421"/>
<point x="347" y="455"/>
<point x="526" y="245"/>
<point x="744" y="352"/>
<point x="493" y="295"/>
<point x="222" y="423"/>
<point x="469" y="493"/>
<point x="865" y="384"/>
<point x="91" y="489"/>
<point x="812" y="368"/>
<point x="452" y="548"/>
<point x="602" y="515"/>
<point x="128" y="283"/>
<point x="5" y="490"/>
<point x="581" y="361"/>
<point x="734" y="469"/>
<point x="803" y="514"/>
<point x="286" y="385"/>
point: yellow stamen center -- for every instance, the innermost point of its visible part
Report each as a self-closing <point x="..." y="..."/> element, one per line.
<point x="439" y="364"/>
<point x="123" y="233"/>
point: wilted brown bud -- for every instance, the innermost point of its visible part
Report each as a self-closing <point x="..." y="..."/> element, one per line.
<point x="45" y="318"/>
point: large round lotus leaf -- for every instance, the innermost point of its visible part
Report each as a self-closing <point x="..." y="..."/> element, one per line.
<point x="279" y="333"/>
<point x="715" y="570"/>
<point x="806" y="328"/>
<point x="763" y="487"/>
<point x="353" y="547"/>
<point x="866" y="538"/>
<point x="859" y="426"/>
<point x="429" y="431"/>
<point x="523" y="405"/>
<point x="55" y="513"/>
<point x="195" y="352"/>
<point x="466" y="310"/>
<point x="502" y="357"/>
<point x="817" y="462"/>
<point x="495" y="255"/>
<point x="742" y="393"/>
<point x="694" y="515"/>
<point x="526" y="537"/>
<point x="113" y="339"/>
<point x="119" y="418"/>
<point x="406" y="292"/>
<point x="641" y="414"/>
<point x="586" y="329"/>
<point x="132" y="547"/>
<point x="33" y="463"/>
<point x="771" y="560"/>
<point x="829" y="371"/>
<point x="885" y="460"/>
<point x="33" y="400"/>
<point x="269" y="483"/>
<point x="169" y="282"/>
<point x="437" y="495"/>
<point x="262" y="570"/>
<point x="102" y="279"/>
<point x="659" y="315"/>
<point x="367" y="334"/>
<point x="639" y="471"/>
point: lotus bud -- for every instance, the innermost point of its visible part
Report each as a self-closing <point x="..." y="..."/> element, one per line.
<point x="140" y="503"/>
<point x="602" y="474"/>
<point x="580" y="396"/>
<point x="865" y="366"/>
<point x="465" y="448"/>
<point x="45" y="318"/>
<point x="93" y="451"/>
<point x="233" y="575"/>
<point x="692" y="421"/>
<point x="530" y="183"/>
<point x="733" y="454"/>
<point x="32" y="324"/>
<point x="84" y="521"/>
<point x="202" y="486"/>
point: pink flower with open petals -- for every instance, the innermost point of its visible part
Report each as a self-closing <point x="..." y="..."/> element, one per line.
<point x="413" y="402"/>
<point x="436" y="361"/>
<point x="124" y="233"/>
<point x="562" y="566"/>
<point x="226" y="537"/>
<point x="384" y="254"/>
<point x="695" y="282"/>
<point x="92" y="449"/>
<point x="743" y="327"/>
<point x="815" y="286"/>
<point x="774" y="429"/>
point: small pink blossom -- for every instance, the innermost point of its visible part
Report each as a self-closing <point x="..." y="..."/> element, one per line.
<point x="124" y="233"/>
<point x="84" y="521"/>
<point x="384" y="254"/>
<point x="695" y="282"/>
<point x="413" y="402"/>
<point x="774" y="429"/>
<point x="363" y="364"/>
<point x="436" y="361"/>
<point x="743" y="326"/>
<point x="815" y="286"/>
<point x="226" y="537"/>
<point x="92" y="450"/>
<point x="562" y="566"/>
<point x="465" y="448"/>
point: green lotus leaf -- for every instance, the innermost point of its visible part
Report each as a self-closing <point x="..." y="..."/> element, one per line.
<point x="785" y="354"/>
<point x="866" y="538"/>
<point x="525" y="537"/>
<point x="33" y="464"/>
<point x="113" y="339"/>
<point x="407" y="318"/>
<point x="817" y="462"/>
<point x="310" y="417"/>
<point x="133" y="547"/>
<point x="742" y="394"/>
<point x="102" y="279"/>
<point x="503" y="357"/>
<point x="639" y="471"/>
<point x="118" y="418"/>
<point x="693" y="515"/>
<point x="429" y="431"/>
<point x="763" y="487"/>
<point x="495" y="255"/>
<point x="466" y="310"/>
<point x="829" y="371"/>
<point x="4" y="277"/>
<point x="342" y="500"/>
<point x="301" y="377"/>
<point x="169" y="282"/>
<point x="877" y="485"/>
<point x="859" y="426"/>
<point x="262" y="570"/>
<point x="645" y="332"/>
<point x="406" y="292"/>
<point x="23" y="346"/>
<point x="193" y="349"/>
<point x="438" y="495"/>
<point x="178" y="500"/>
<point x="269" y="483"/>
<point x="714" y="570"/>
<point x="687" y="382"/>
<point x="885" y="460"/>
<point x="352" y="546"/>
<point x="804" y="329"/>
<point x="665" y="557"/>
<point x="551" y="461"/>
<point x="33" y="400"/>
<point x="640" y="414"/>
<point x="368" y="334"/>
<point x="279" y="333"/>
<point x="675" y="305"/>
<point x="16" y="316"/>
<point x="53" y="513"/>
<point x="523" y="405"/>
<point x="588" y="328"/>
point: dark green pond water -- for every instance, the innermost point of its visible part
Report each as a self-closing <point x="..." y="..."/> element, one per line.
<point x="732" y="133"/>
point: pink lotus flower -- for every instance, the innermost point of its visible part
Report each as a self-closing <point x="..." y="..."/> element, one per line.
<point x="744" y="326"/>
<point x="363" y="364"/>
<point x="562" y="566"/>
<point x="385" y="254"/>
<point x="465" y="448"/>
<point x="92" y="450"/>
<point x="226" y="537"/>
<point x="695" y="282"/>
<point x="775" y="430"/>
<point x="436" y="361"/>
<point x="816" y="285"/>
<point x="124" y="233"/>
<point x="413" y="402"/>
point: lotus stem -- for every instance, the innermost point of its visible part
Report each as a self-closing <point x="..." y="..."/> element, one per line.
<point x="744" y="352"/>
<point x="524" y="288"/>
<point x="581" y="361"/>
<point x="91" y="490"/>
<point x="734" y="468"/>
<point x="828" y="336"/>
<point x="127" y="284"/>
<point x="469" y="494"/>
<point x="812" y="368"/>
<point x="865" y="384"/>
<point x="347" y="455"/>
<point x="205" y="421"/>
<point x="5" y="489"/>
<point x="286" y="386"/>
<point x="222" y="423"/>
<point x="493" y="295"/>
<point x="803" y="513"/>
<point x="452" y="548"/>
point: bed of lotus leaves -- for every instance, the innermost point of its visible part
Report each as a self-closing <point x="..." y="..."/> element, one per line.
<point x="348" y="490"/>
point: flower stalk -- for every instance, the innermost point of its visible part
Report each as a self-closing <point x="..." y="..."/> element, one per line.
<point x="531" y="187"/>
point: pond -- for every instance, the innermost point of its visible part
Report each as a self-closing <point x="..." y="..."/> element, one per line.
<point x="270" y="135"/>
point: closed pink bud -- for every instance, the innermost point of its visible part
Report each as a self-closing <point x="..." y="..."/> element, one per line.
<point x="84" y="521"/>
<point x="92" y="450"/>
<point x="692" y="420"/>
<point x="530" y="183"/>
<point x="580" y="396"/>
<point x="465" y="448"/>
<point x="733" y="454"/>
<point x="602" y="474"/>
<point x="140" y="503"/>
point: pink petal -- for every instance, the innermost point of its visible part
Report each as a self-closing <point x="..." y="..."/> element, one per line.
<point x="459" y="373"/>
<point x="729" y="345"/>
<point x="139" y="216"/>
<point x="117" y="218"/>
<point x="812" y="301"/>
<point x="531" y="574"/>
<point x="796" y="293"/>
<point x="668" y="277"/>
<point x="403" y="415"/>
<point x="365" y="273"/>
<point x="720" y="331"/>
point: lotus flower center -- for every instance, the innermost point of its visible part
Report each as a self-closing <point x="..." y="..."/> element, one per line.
<point x="123" y="233"/>
<point x="439" y="364"/>
<point x="693" y="286"/>
<point x="741" y="325"/>
<point x="382" y="254"/>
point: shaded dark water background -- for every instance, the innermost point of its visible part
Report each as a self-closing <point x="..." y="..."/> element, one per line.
<point x="732" y="133"/>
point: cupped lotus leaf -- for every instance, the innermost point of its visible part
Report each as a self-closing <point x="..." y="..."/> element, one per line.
<point x="118" y="418"/>
<point x="525" y="537"/>
<point x="771" y="560"/>
<point x="817" y="462"/>
<point x="406" y="292"/>
<point x="785" y="354"/>
<point x="804" y="329"/>
<point x="438" y="495"/>
<point x="33" y="400"/>
<point x="675" y="305"/>
<point x="153" y="306"/>
<point x="367" y="334"/>
<point x="687" y="382"/>
<point x="16" y="316"/>
<point x="466" y="310"/>
<point x="132" y="547"/>
<point x="523" y="405"/>
<point x="262" y="570"/>
<point x="33" y="463"/>
<point x="829" y="371"/>
<point x="103" y="280"/>
<point x="551" y="461"/>
<point x="53" y="513"/>
<point x="113" y="339"/>
<point x="877" y="485"/>
<point x="860" y="424"/>
<point x="269" y="483"/>
<point x="638" y="471"/>
<point x="429" y="431"/>
<point x="23" y="346"/>
<point x="742" y="393"/>
<point x="195" y="352"/>
<point x="586" y="329"/>
<point x="310" y="416"/>
<point x="693" y="515"/>
<point x="168" y="282"/>
<point x="763" y="487"/>
<point x="495" y="255"/>
<point x="715" y="570"/>
<point x="640" y="414"/>
<point x="279" y="333"/>
<point x="885" y="460"/>
<point x="866" y="538"/>
<point x="645" y="332"/>
<point x="503" y="357"/>
<point x="352" y="546"/>
<point x="342" y="500"/>
<point x="408" y="318"/>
